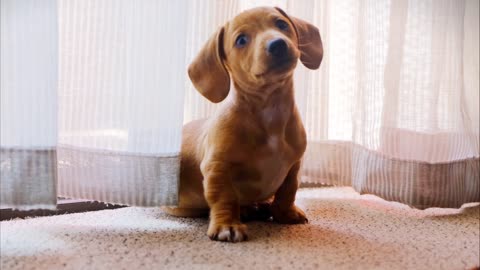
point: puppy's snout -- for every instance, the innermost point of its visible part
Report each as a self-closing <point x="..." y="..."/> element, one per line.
<point x="277" y="47"/>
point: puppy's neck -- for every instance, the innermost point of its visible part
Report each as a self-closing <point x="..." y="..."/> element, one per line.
<point x="256" y="98"/>
<point x="270" y="105"/>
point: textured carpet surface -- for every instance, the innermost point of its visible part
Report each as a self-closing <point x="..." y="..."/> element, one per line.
<point x="346" y="231"/>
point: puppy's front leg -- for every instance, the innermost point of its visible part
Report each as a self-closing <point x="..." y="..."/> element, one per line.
<point x="283" y="207"/>
<point x="225" y="222"/>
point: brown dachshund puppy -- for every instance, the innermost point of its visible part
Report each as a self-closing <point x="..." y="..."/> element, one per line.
<point x="250" y="150"/>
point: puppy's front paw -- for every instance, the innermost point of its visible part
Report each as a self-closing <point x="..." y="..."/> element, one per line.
<point x="292" y="215"/>
<point x="227" y="232"/>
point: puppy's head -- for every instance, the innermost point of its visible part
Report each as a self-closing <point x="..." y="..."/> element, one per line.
<point x="260" y="46"/>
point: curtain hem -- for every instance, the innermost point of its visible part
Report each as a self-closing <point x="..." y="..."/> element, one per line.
<point x="418" y="184"/>
<point x="28" y="178"/>
<point x="119" y="178"/>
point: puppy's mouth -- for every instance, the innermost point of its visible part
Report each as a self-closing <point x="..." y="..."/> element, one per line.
<point x="282" y="64"/>
<point x="279" y="66"/>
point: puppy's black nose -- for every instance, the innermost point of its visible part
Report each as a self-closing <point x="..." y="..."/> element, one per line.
<point x="277" y="47"/>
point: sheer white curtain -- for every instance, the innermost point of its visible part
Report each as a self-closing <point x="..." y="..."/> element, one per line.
<point x="393" y="110"/>
<point x="120" y="99"/>
<point x="28" y="101"/>
<point x="112" y="74"/>
<point x="403" y="117"/>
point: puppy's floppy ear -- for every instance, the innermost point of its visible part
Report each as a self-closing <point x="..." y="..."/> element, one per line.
<point x="207" y="71"/>
<point x="309" y="41"/>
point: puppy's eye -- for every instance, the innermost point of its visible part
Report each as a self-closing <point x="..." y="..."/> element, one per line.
<point x="281" y="24"/>
<point x="241" y="41"/>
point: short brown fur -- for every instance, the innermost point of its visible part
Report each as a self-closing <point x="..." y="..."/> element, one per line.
<point x="250" y="150"/>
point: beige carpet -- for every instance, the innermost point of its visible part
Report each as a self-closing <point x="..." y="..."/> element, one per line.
<point x="346" y="231"/>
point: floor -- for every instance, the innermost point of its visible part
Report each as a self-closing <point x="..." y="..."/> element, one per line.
<point x="346" y="231"/>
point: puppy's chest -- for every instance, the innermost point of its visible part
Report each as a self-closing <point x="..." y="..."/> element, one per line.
<point x="271" y="159"/>
<point x="274" y="160"/>
<point x="276" y="154"/>
<point x="270" y="155"/>
<point x="262" y="175"/>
